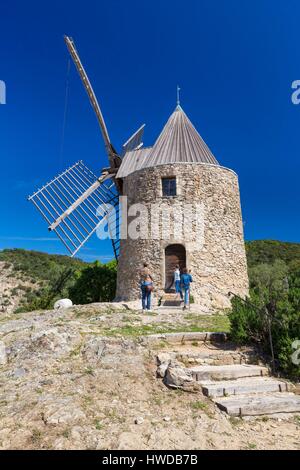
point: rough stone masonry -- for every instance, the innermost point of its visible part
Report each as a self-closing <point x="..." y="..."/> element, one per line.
<point x="217" y="258"/>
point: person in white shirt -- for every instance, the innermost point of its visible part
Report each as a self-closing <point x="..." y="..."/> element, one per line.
<point x="177" y="282"/>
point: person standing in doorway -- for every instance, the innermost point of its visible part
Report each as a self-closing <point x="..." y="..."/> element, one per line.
<point x="146" y="283"/>
<point x="177" y="282"/>
<point x="185" y="282"/>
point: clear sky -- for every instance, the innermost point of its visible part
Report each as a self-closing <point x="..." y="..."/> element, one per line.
<point x="235" y="61"/>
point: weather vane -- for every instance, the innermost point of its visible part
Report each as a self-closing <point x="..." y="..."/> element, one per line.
<point x="178" y="95"/>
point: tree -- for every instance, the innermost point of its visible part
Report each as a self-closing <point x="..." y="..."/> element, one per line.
<point x="273" y="306"/>
<point x="96" y="283"/>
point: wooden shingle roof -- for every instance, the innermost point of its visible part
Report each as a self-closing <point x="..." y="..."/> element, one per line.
<point x="179" y="142"/>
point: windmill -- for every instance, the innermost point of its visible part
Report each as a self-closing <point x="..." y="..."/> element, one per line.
<point x="77" y="202"/>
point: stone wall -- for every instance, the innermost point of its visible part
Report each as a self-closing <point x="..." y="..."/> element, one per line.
<point x="216" y="257"/>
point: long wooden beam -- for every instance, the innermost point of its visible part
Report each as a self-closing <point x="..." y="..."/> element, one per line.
<point x="94" y="102"/>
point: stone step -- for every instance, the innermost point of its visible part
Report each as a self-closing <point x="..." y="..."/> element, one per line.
<point x="253" y="405"/>
<point x="185" y="337"/>
<point x="171" y="303"/>
<point x="170" y="300"/>
<point x="242" y="386"/>
<point x="169" y="295"/>
<point x="217" y="356"/>
<point x="170" y="308"/>
<point x="229" y="372"/>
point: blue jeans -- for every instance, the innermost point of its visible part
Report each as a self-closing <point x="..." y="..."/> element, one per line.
<point x="178" y="289"/>
<point x="186" y="291"/>
<point x="146" y="295"/>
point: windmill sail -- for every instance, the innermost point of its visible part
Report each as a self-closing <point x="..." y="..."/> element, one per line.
<point x="113" y="157"/>
<point x="134" y="142"/>
<point x="76" y="203"/>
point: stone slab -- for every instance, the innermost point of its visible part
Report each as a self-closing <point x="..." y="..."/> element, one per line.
<point x="243" y="386"/>
<point x="183" y="337"/>
<point x="227" y="372"/>
<point x="260" y="405"/>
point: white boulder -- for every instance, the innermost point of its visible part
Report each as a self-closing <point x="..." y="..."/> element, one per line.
<point x="63" y="303"/>
<point x="3" y="354"/>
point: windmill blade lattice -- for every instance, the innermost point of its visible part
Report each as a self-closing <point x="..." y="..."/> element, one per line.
<point x="134" y="142"/>
<point x="76" y="203"/>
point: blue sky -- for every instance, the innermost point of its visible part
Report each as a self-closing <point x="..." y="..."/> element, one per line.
<point x="234" y="60"/>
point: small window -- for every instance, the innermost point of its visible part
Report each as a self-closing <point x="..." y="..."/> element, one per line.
<point x="169" y="186"/>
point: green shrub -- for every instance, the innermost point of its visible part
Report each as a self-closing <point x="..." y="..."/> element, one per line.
<point x="274" y="300"/>
<point x="96" y="283"/>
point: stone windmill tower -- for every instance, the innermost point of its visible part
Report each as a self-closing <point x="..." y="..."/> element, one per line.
<point x="179" y="206"/>
<point x="180" y="175"/>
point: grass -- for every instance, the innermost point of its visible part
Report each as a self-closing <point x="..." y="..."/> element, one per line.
<point x="157" y="401"/>
<point x="195" y="323"/>
<point x="179" y="391"/>
<point x="251" y="446"/>
<point x="66" y="433"/>
<point x="76" y="351"/>
<point x="217" y="323"/>
<point x="36" y="435"/>
<point x="297" y="419"/>
<point x="128" y="319"/>
<point x="89" y="371"/>
<point x="87" y="400"/>
<point x="265" y="419"/>
<point x="159" y="346"/>
<point x="98" y="424"/>
<point x="235" y="421"/>
<point x="198" y="405"/>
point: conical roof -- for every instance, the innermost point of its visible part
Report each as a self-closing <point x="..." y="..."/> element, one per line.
<point x="179" y="141"/>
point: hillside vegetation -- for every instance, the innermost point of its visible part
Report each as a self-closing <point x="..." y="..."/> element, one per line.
<point x="38" y="265"/>
<point x="271" y="315"/>
<point x="54" y="276"/>
<point x="268" y="251"/>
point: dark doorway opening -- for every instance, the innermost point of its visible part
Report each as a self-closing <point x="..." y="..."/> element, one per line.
<point x="174" y="254"/>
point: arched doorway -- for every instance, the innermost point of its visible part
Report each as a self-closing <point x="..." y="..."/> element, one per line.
<point x="174" y="254"/>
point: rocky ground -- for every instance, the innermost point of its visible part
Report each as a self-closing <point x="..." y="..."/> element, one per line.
<point x="85" y="378"/>
<point x="13" y="287"/>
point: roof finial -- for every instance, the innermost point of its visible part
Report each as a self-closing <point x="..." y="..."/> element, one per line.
<point x="178" y="95"/>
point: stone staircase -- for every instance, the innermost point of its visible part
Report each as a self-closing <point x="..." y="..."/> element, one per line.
<point x="233" y="378"/>
<point x="170" y="300"/>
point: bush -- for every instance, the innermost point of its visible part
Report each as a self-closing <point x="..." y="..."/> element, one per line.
<point x="245" y="323"/>
<point x="274" y="300"/>
<point x="96" y="283"/>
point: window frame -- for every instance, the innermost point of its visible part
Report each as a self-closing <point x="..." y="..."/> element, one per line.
<point x="171" y="179"/>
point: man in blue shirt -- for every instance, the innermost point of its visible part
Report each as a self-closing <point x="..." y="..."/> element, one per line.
<point x="185" y="281"/>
